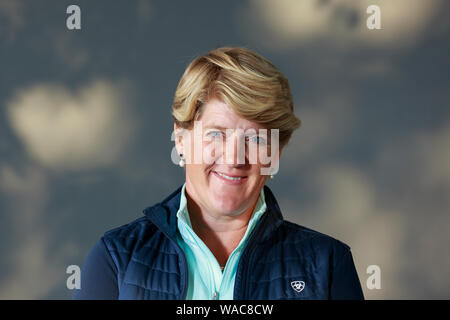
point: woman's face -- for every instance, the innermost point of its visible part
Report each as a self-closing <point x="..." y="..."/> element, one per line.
<point x="218" y="178"/>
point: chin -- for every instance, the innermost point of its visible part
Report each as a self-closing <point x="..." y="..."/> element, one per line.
<point x="229" y="206"/>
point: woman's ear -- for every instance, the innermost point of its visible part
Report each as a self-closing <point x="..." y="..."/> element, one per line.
<point x="178" y="138"/>
<point x="181" y="136"/>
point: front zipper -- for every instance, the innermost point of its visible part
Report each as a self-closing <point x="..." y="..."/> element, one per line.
<point x="248" y="248"/>
<point x="251" y="243"/>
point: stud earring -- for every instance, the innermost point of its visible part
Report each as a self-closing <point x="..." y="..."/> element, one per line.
<point x="182" y="162"/>
<point x="271" y="177"/>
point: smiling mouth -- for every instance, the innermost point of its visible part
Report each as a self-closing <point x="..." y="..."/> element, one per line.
<point x="230" y="178"/>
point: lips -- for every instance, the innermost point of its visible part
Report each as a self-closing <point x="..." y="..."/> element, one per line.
<point x="229" y="176"/>
<point x="232" y="179"/>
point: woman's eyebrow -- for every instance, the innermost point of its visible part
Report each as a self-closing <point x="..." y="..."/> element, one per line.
<point x="214" y="126"/>
<point x="221" y="127"/>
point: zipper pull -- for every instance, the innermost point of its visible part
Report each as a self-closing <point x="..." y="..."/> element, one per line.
<point x="215" y="295"/>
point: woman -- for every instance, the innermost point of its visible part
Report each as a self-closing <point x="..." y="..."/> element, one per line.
<point x="221" y="234"/>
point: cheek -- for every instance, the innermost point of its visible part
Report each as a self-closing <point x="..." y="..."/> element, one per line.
<point x="258" y="171"/>
<point x="196" y="173"/>
<point x="260" y="179"/>
<point x="204" y="153"/>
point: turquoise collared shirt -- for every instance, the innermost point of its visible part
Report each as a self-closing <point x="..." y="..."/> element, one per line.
<point x="206" y="279"/>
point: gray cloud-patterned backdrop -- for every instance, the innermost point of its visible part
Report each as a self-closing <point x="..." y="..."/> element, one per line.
<point x="85" y="127"/>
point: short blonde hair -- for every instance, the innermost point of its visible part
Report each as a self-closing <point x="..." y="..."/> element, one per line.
<point x="247" y="82"/>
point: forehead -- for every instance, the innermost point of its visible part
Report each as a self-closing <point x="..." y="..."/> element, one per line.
<point x="218" y="113"/>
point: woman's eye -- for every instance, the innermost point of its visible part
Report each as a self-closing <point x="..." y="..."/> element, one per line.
<point x="256" y="139"/>
<point x="214" y="134"/>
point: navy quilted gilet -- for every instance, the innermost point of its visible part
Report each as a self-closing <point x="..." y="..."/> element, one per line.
<point x="282" y="260"/>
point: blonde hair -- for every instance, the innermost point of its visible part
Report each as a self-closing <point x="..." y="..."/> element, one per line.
<point x="247" y="82"/>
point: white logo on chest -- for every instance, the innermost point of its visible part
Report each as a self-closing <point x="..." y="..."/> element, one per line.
<point x="298" y="285"/>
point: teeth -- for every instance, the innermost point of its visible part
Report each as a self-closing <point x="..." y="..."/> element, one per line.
<point x="228" y="177"/>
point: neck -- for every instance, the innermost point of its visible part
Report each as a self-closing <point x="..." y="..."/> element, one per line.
<point x="220" y="233"/>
